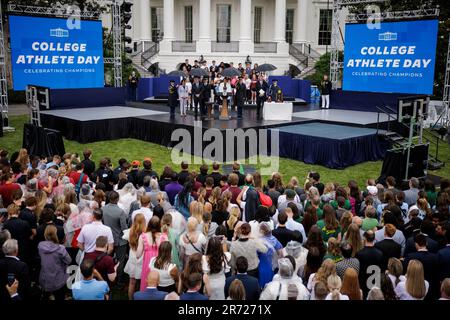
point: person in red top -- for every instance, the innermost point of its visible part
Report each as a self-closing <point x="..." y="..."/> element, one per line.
<point x="76" y="174"/>
<point x="7" y="188"/>
<point x="233" y="180"/>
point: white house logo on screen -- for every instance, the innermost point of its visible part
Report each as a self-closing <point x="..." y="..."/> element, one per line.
<point x="387" y="36"/>
<point x="59" y="33"/>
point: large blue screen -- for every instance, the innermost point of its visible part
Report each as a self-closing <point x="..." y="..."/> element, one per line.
<point x="398" y="58"/>
<point x="56" y="53"/>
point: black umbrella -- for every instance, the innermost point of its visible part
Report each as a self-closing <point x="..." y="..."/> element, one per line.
<point x="199" y="72"/>
<point x="266" y="67"/>
<point x="231" y="72"/>
<point x="176" y="73"/>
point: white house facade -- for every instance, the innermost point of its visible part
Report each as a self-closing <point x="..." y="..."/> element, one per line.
<point x="280" y="32"/>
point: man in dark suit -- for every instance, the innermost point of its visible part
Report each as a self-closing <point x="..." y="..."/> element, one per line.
<point x="215" y="174"/>
<point x="283" y="234"/>
<point x="197" y="92"/>
<point x="173" y="98"/>
<point x="12" y="268"/>
<point x="205" y="97"/>
<point x="388" y="246"/>
<point x="151" y="292"/>
<point x="194" y="284"/>
<point x="430" y="264"/>
<point x="261" y="94"/>
<point x="410" y="246"/>
<point x="89" y="165"/>
<point x="251" y="284"/>
<point x="368" y="256"/>
<point x="241" y="91"/>
<point x="444" y="258"/>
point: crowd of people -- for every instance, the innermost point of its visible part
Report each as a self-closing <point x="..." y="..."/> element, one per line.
<point x="188" y="235"/>
<point x="248" y="86"/>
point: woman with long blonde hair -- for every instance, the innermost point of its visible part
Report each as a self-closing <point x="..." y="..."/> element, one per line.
<point x="350" y="285"/>
<point x="23" y="158"/>
<point x="327" y="268"/>
<point x="134" y="266"/>
<point x="353" y="236"/>
<point x="233" y="219"/>
<point x="196" y="210"/>
<point x="41" y="198"/>
<point x="214" y="197"/>
<point x="395" y="271"/>
<point x="415" y="287"/>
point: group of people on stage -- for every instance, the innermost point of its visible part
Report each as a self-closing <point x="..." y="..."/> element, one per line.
<point x="194" y="92"/>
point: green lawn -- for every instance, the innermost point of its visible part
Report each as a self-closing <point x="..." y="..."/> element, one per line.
<point x="135" y="149"/>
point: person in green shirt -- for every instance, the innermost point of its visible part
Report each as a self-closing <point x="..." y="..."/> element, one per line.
<point x="341" y="192"/>
<point x="370" y="222"/>
<point x="329" y="226"/>
<point x="430" y="189"/>
<point x="333" y="250"/>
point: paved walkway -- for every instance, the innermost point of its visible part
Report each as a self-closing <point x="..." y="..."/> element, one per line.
<point x="17" y="110"/>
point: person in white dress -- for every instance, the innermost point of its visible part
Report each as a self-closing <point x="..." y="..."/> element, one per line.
<point x="127" y="195"/>
<point x="133" y="266"/>
<point x="215" y="263"/>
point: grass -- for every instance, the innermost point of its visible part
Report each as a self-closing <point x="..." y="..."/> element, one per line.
<point x="132" y="149"/>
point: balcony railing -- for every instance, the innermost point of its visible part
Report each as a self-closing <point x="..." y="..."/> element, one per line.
<point x="182" y="46"/>
<point x="232" y="46"/>
<point x="265" y="47"/>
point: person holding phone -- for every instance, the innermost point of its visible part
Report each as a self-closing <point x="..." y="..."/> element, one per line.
<point x="11" y="270"/>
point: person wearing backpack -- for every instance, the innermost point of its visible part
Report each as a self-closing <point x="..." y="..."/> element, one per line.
<point x="104" y="263"/>
<point x="78" y="177"/>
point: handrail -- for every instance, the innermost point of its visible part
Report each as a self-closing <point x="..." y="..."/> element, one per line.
<point x="149" y="53"/>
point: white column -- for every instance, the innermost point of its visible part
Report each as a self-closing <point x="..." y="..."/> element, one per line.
<point x="204" y="27"/>
<point x="169" y="18"/>
<point x="245" y="27"/>
<point x="136" y="19"/>
<point x="145" y="16"/>
<point x="280" y="21"/>
<point x="302" y="21"/>
<point x="280" y="27"/>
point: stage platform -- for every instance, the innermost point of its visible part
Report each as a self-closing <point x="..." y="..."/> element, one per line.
<point x="333" y="146"/>
<point x="301" y="139"/>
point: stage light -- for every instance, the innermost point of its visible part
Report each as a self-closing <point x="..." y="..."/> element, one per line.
<point x="126" y="17"/>
<point x="128" y="39"/>
<point x="127" y="61"/>
<point x="126" y="6"/>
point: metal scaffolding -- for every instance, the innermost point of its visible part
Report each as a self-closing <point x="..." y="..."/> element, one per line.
<point x="3" y="80"/>
<point x="54" y="11"/>
<point x="117" y="42"/>
<point x="394" y="15"/>
<point x="445" y="120"/>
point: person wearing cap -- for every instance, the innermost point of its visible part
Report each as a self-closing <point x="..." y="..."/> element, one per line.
<point x="173" y="98"/>
<point x="275" y="93"/>
<point x="133" y="175"/>
<point x="197" y="92"/>
<point x="241" y="92"/>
